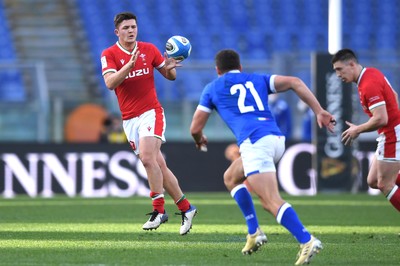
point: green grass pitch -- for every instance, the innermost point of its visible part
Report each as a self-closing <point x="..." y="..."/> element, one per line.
<point x="355" y="230"/>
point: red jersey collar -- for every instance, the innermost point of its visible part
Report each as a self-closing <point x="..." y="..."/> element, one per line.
<point x="125" y="50"/>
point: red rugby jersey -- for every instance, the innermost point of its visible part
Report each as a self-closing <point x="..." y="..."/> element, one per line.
<point x="137" y="93"/>
<point x="375" y="90"/>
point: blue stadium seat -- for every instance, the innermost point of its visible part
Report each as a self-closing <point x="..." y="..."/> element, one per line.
<point x="385" y="39"/>
<point x="314" y="15"/>
<point x="289" y="15"/>
<point x="282" y="40"/>
<point x="306" y="39"/>
<point x="360" y="38"/>
<point x="203" y="46"/>
<point x="264" y="15"/>
<point x="7" y="51"/>
<point x="259" y="44"/>
<point x="11" y="84"/>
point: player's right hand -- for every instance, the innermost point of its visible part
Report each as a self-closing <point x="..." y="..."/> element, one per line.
<point x="135" y="55"/>
<point x="327" y="120"/>
<point x="202" y="144"/>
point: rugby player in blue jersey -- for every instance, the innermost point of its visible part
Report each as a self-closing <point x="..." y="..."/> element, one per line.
<point x="241" y="99"/>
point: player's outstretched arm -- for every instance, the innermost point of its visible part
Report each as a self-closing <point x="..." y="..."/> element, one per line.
<point x="324" y="118"/>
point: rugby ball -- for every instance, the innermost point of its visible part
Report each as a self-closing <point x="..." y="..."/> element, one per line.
<point x="178" y="47"/>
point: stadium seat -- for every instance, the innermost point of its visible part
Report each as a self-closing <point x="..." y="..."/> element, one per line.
<point x="385" y="39"/>
<point x="361" y="39"/>
<point x="282" y="40"/>
<point x="315" y="14"/>
<point x="11" y="85"/>
<point x="7" y="51"/>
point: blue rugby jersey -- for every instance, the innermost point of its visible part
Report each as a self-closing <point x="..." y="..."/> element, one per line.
<point x="241" y="99"/>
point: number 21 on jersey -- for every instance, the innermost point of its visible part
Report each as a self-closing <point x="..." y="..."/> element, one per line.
<point x="243" y="89"/>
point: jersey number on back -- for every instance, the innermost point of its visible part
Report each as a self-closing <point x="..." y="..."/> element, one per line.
<point x="242" y="97"/>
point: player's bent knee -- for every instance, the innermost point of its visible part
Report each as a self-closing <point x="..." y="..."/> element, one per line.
<point x="149" y="162"/>
<point x="372" y="183"/>
<point x="228" y="180"/>
<point x="231" y="181"/>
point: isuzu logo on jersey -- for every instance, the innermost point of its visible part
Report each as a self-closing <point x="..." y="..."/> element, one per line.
<point x="138" y="72"/>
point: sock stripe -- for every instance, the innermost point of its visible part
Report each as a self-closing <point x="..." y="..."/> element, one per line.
<point x="391" y="193"/>
<point x="281" y="211"/>
<point x="235" y="189"/>
<point x="180" y="199"/>
<point x="158" y="196"/>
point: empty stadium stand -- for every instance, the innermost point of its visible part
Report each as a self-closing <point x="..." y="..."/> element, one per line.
<point x="47" y="31"/>
<point x="69" y="36"/>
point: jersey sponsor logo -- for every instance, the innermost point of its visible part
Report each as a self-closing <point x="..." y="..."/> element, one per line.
<point x="122" y="61"/>
<point x="149" y="128"/>
<point x="138" y="72"/>
<point x="103" y="62"/>
<point x="374" y="98"/>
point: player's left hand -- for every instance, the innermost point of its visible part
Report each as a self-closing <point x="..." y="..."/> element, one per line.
<point x="170" y="62"/>
<point x="350" y="134"/>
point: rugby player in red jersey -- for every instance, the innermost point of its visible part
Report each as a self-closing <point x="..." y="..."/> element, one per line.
<point x="380" y="102"/>
<point x="128" y="69"/>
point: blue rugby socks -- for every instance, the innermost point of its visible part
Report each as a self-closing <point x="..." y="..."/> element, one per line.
<point x="245" y="202"/>
<point x="288" y="218"/>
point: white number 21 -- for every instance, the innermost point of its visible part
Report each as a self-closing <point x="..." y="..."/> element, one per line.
<point x="242" y="96"/>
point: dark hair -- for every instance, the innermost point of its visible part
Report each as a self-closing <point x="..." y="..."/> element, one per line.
<point x="227" y="60"/>
<point x="344" y="55"/>
<point x="123" y="16"/>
